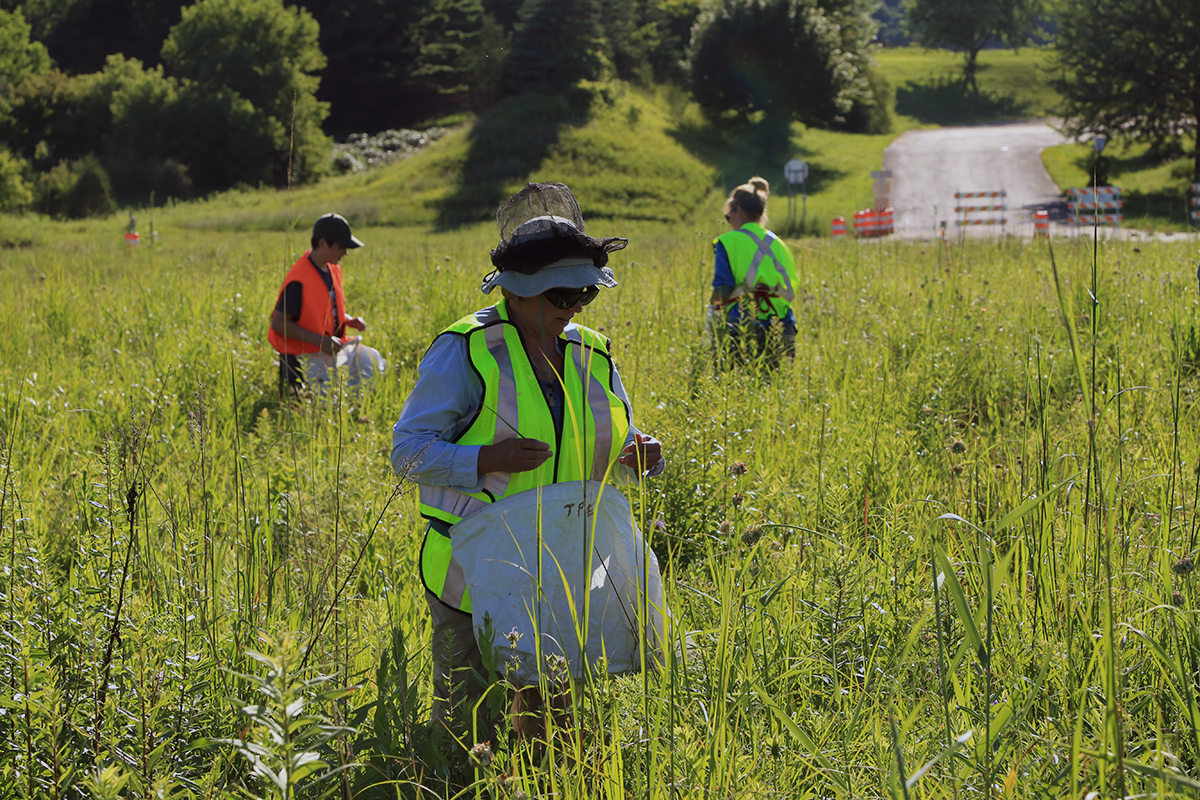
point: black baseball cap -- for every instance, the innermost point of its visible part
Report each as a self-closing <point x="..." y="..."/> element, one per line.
<point x="334" y="229"/>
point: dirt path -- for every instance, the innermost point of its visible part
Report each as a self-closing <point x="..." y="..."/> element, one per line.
<point x="928" y="167"/>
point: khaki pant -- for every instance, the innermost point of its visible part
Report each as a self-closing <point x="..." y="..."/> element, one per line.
<point x="458" y="672"/>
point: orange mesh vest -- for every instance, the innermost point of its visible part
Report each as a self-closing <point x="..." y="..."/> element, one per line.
<point x="315" y="312"/>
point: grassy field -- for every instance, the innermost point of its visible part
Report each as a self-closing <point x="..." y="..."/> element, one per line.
<point x="947" y="552"/>
<point x="930" y="87"/>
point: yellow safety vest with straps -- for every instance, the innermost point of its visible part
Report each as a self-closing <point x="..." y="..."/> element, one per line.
<point x="594" y="427"/>
<point x="763" y="269"/>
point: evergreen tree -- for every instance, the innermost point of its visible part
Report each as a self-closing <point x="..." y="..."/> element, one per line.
<point x="80" y="34"/>
<point x="557" y="44"/>
<point x="445" y="35"/>
<point x="630" y="37"/>
<point x="395" y="64"/>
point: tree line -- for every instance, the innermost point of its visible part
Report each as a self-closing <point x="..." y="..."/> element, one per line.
<point x="208" y="95"/>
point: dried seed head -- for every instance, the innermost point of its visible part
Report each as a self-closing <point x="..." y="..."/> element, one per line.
<point x="1177" y="599"/>
<point x="1183" y="566"/>
<point x="737" y="499"/>
<point x="751" y="535"/>
<point x="725" y="527"/>
<point x="958" y="446"/>
<point x="481" y="754"/>
<point x="738" y="468"/>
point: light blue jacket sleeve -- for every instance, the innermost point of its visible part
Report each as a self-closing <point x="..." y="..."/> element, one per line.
<point x="440" y="407"/>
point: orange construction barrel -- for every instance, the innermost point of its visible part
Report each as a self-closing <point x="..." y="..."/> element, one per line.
<point x="1041" y="224"/>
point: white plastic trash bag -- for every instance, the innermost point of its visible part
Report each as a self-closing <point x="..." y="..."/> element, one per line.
<point x="600" y="587"/>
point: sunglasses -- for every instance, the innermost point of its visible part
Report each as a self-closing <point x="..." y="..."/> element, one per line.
<point x="565" y="298"/>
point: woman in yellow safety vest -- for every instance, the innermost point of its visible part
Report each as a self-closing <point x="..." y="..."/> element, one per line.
<point x="754" y="278"/>
<point x="509" y="398"/>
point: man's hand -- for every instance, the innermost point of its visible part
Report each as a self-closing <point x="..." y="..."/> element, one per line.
<point x="330" y="345"/>
<point x="356" y="323"/>
<point x="513" y="455"/>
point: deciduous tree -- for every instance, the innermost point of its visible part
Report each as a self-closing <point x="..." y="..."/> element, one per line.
<point x="785" y="58"/>
<point x="19" y="56"/>
<point x="1131" y="69"/>
<point x="268" y="54"/>
<point x="968" y="25"/>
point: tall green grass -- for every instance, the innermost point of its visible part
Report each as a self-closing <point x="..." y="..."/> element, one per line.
<point x="947" y="552"/>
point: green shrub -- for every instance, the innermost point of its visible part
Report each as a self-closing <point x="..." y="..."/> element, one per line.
<point x="75" y="190"/>
<point x="873" y="115"/>
<point x="15" y="191"/>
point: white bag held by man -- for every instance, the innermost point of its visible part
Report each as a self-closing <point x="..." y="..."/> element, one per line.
<point x="597" y="591"/>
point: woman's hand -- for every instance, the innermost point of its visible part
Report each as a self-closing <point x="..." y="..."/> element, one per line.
<point x="513" y="455"/>
<point x="643" y="454"/>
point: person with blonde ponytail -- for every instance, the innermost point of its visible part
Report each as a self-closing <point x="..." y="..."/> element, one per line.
<point x="754" y="279"/>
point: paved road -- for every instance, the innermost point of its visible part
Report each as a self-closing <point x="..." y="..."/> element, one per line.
<point x="928" y="167"/>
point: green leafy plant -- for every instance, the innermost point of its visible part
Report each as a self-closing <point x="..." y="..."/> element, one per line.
<point x="289" y="737"/>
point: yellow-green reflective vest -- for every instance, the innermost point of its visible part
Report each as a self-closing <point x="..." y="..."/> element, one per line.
<point x="763" y="269"/>
<point x="594" y="427"/>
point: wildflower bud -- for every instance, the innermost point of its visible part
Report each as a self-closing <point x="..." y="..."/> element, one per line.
<point x="751" y="535"/>
<point x="1183" y="566"/>
<point x="737" y="499"/>
<point x="738" y="468"/>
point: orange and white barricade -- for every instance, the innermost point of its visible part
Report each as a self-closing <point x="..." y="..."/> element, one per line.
<point x="969" y="206"/>
<point x="1095" y="205"/>
<point x="838" y="227"/>
<point x="1041" y="223"/>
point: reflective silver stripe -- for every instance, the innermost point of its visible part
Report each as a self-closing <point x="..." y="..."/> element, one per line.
<point x="764" y="251"/>
<point x="508" y="415"/>
<point x="451" y="501"/>
<point x="597" y="400"/>
<point x="455" y="586"/>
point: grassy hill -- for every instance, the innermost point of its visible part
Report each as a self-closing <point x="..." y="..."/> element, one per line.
<point x="638" y="155"/>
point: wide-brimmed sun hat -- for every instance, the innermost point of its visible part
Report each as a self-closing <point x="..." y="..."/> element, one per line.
<point x="543" y="244"/>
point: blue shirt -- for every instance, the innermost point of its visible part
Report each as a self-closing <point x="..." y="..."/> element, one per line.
<point x="440" y="409"/>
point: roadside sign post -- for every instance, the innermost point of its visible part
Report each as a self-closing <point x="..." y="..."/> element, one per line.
<point x="796" y="172"/>
<point x="882" y="188"/>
